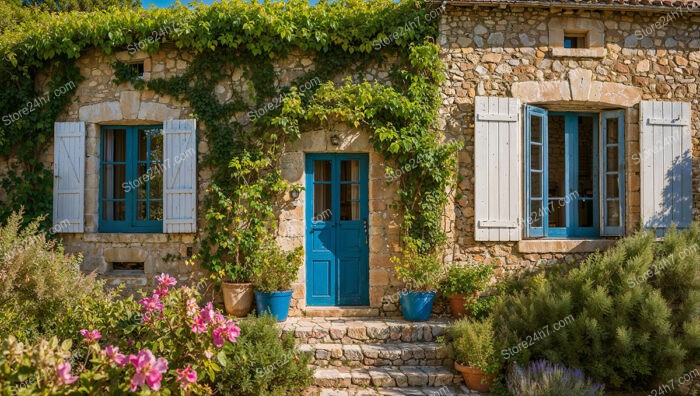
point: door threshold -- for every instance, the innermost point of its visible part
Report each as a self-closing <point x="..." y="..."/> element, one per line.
<point x="333" y="311"/>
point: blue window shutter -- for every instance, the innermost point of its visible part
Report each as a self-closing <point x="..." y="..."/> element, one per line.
<point x="69" y="177"/>
<point x="612" y="173"/>
<point x="180" y="176"/>
<point x="665" y="159"/>
<point x="498" y="170"/>
<point x="536" y="200"/>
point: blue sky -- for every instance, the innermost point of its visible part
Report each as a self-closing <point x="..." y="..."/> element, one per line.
<point x="166" y="3"/>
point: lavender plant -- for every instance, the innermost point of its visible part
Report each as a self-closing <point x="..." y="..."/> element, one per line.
<point x="543" y="378"/>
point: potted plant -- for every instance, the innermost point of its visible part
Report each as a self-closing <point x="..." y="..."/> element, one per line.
<point x="420" y="272"/>
<point x="463" y="284"/>
<point x="273" y="274"/>
<point x="474" y="347"/>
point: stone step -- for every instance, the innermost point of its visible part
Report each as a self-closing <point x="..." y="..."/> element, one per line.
<point x="456" y="390"/>
<point x="363" y="330"/>
<point x="404" y="376"/>
<point x="388" y="354"/>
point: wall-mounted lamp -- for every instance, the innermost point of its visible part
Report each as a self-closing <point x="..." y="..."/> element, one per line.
<point x="335" y="140"/>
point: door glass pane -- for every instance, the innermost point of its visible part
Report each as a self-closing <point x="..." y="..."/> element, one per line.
<point x="612" y="185"/>
<point x="585" y="213"/>
<point x="535" y="157"/>
<point x="322" y="171"/>
<point x="557" y="213"/>
<point x="613" y="209"/>
<point x="349" y="202"/>
<point x="322" y="202"/>
<point x="350" y="170"/>
<point x="612" y="131"/>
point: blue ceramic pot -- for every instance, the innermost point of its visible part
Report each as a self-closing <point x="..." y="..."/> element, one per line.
<point x="416" y="306"/>
<point x="274" y="303"/>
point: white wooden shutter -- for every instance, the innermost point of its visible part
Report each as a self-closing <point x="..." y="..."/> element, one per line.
<point x="666" y="164"/>
<point x="180" y="176"/>
<point x="69" y="177"/>
<point x="498" y="169"/>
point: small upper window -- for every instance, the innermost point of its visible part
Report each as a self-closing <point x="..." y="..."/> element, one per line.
<point x="136" y="69"/>
<point x="575" y="41"/>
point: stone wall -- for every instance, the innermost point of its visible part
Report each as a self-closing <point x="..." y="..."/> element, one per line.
<point x="508" y="51"/>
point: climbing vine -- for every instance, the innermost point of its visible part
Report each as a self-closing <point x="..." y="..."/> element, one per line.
<point x="343" y="38"/>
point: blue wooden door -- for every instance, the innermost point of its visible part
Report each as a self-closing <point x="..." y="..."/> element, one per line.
<point x="337" y="239"/>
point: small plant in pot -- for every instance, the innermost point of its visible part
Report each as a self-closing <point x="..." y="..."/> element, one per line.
<point x="462" y="285"/>
<point x="474" y="347"/>
<point x="420" y="272"/>
<point x="273" y="274"/>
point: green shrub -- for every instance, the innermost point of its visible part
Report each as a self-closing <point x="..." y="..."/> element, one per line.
<point x="474" y="344"/>
<point x="543" y="378"/>
<point x="634" y="313"/>
<point x="263" y="363"/>
<point x="40" y="285"/>
<point x="274" y="270"/>
<point x="420" y="271"/>
<point x="468" y="279"/>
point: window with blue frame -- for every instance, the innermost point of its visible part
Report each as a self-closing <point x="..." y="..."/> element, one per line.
<point x="131" y="179"/>
<point x="574" y="174"/>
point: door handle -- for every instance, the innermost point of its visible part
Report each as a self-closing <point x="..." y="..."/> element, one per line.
<point x="364" y="223"/>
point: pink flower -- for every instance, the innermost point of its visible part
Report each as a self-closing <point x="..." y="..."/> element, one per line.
<point x="192" y="307"/>
<point x="112" y="352"/>
<point x="186" y="376"/>
<point x="227" y="330"/>
<point x="208" y="313"/>
<point x="152" y="304"/>
<point x="148" y="370"/>
<point x="218" y="318"/>
<point x="64" y="375"/>
<point x="199" y="326"/>
<point x="165" y="280"/>
<point x="90" y="335"/>
<point x="209" y="354"/>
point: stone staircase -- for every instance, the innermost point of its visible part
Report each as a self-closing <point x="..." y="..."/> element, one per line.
<point x="377" y="356"/>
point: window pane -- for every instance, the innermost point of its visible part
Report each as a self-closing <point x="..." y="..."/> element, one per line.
<point x="612" y="157"/>
<point x="535" y="216"/>
<point x="556" y="157"/>
<point x="141" y="208"/>
<point x="156" y="212"/>
<point x="536" y="129"/>
<point x="322" y="171"/>
<point x="322" y="201"/>
<point x="156" y="182"/>
<point x="114" y="145"/>
<point x="350" y="170"/>
<point x="557" y="213"/>
<point x="613" y="218"/>
<point x="156" y="153"/>
<point x="535" y="157"/>
<point x="142" y="145"/>
<point x="349" y="202"/>
<point x="114" y="183"/>
<point x="612" y="132"/>
<point x="585" y="213"/>
<point x="113" y="210"/>
<point x="585" y="157"/>
<point x="613" y="190"/>
<point x="535" y="185"/>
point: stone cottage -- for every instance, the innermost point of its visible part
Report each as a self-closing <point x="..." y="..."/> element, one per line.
<point x="579" y="121"/>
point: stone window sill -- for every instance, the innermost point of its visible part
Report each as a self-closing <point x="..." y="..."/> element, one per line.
<point x="564" y="245"/>
<point x="580" y="52"/>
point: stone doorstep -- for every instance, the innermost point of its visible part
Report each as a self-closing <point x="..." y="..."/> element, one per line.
<point x="401" y="377"/>
<point x="360" y="330"/>
<point x="393" y="354"/>
<point x="341" y="312"/>
<point x="456" y="390"/>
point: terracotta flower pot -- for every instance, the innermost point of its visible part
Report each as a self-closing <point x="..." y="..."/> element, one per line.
<point x="458" y="304"/>
<point x="475" y="378"/>
<point x="238" y="298"/>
